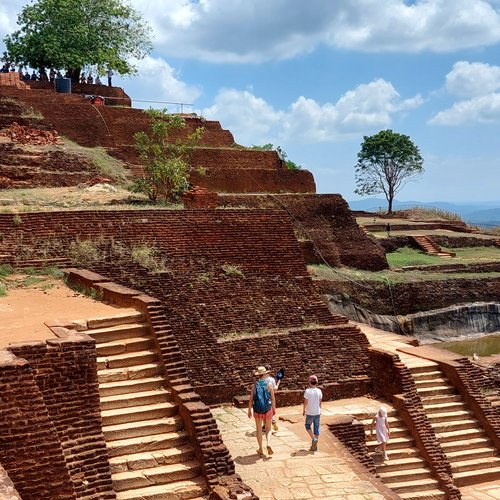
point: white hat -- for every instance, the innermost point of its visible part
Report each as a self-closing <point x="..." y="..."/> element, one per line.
<point x="261" y="370"/>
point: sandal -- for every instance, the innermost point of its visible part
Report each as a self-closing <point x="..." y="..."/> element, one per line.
<point x="260" y="452"/>
<point x="269" y="450"/>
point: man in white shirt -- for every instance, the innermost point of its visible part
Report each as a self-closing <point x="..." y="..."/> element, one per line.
<point x="312" y="410"/>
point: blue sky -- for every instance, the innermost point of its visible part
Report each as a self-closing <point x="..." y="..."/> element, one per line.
<point x="315" y="77"/>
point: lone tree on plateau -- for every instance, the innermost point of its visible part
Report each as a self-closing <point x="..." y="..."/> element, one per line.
<point x="386" y="162"/>
<point x="70" y="34"/>
<point x="165" y="156"/>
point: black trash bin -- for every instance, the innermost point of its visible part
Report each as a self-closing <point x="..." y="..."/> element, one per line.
<point x="63" y="85"/>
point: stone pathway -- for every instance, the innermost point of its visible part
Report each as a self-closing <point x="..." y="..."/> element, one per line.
<point x="293" y="472"/>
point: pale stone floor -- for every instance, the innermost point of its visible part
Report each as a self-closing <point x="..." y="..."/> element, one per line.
<point x="294" y="472"/>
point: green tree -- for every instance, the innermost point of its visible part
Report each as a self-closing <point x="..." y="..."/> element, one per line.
<point x="165" y="156"/>
<point x="70" y="34"/>
<point x="386" y="163"/>
<point x="289" y="164"/>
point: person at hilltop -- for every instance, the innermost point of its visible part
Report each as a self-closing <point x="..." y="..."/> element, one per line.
<point x="98" y="80"/>
<point x="110" y="76"/>
<point x="382" y="431"/>
<point x="90" y="79"/>
<point x="263" y="406"/>
<point x="312" y="410"/>
<point x="388" y="229"/>
<point x="83" y="79"/>
<point x="52" y="75"/>
<point x="33" y="76"/>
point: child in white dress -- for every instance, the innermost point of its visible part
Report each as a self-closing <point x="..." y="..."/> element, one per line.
<point x="382" y="430"/>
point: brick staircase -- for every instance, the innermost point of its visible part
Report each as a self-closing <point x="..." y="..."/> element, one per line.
<point x="406" y="472"/>
<point x="429" y="246"/>
<point x="471" y="454"/>
<point x="149" y="452"/>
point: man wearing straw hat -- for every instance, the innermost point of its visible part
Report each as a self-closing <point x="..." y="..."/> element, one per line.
<point x="263" y="405"/>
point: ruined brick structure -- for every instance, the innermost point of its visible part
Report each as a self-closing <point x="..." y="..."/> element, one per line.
<point x="324" y="223"/>
<point x="235" y="290"/>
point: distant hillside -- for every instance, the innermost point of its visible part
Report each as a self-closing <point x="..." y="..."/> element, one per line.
<point x="487" y="217"/>
<point x="487" y="212"/>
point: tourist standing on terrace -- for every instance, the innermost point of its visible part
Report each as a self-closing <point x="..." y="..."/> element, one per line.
<point x="388" y="229"/>
<point x="263" y="405"/>
<point x="312" y="410"/>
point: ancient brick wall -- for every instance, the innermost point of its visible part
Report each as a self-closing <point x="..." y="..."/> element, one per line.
<point x="351" y="434"/>
<point x="114" y="128"/>
<point x="234" y="281"/>
<point x="328" y="222"/>
<point x="66" y="372"/>
<point x="30" y="450"/>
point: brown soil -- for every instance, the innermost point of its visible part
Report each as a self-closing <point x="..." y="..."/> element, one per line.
<point x="25" y="309"/>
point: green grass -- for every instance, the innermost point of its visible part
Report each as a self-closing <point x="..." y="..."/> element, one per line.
<point x="323" y="272"/>
<point x="407" y="256"/>
<point x="5" y="270"/>
<point x="108" y="166"/>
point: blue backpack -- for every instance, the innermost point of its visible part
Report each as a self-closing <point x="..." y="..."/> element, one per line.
<point x="261" y="397"/>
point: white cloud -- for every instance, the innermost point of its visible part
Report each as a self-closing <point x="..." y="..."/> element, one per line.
<point x="366" y="108"/>
<point x="479" y="85"/>
<point x="483" y="109"/>
<point x="259" y="30"/>
<point x="158" y="80"/>
<point x="473" y="79"/>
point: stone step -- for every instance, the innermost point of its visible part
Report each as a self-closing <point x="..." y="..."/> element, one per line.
<point x="130" y="386"/>
<point x="399" y="476"/>
<point x="436" y="390"/>
<point x="419" y="485"/>
<point x="392" y="444"/>
<point x="475" y="464"/>
<point x="467" y="478"/>
<point x="441" y="399"/>
<point x="470" y="454"/>
<point x="135" y="399"/>
<point x="156" y="475"/>
<point x="458" y="445"/>
<point x="448" y="416"/>
<point x="181" y="490"/>
<point x="395" y="432"/>
<point x="423" y="383"/>
<point x="130" y="373"/>
<point x="142" y="428"/>
<point x="137" y="413"/>
<point x="421" y="369"/>
<point x="146" y="460"/>
<point x="396" y="464"/>
<point x="134" y="344"/>
<point x="440" y="407"/>
<point x="423" y="495"/>
<point x="127" y="359"/>
<point x="124" y="318"/>
<point x="118" y="332"/>
<point x="144" y="444"/>
<point x="402" y="454"/>
<point x="454" y="425"/>
<point x="427" y="375"/>
<point x="464" y="434"/>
